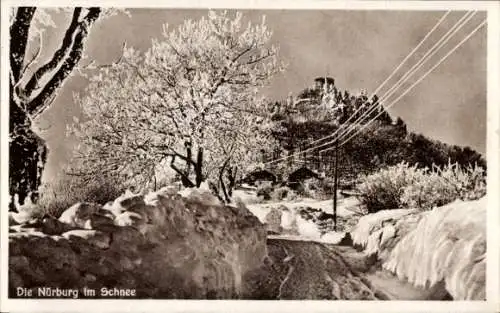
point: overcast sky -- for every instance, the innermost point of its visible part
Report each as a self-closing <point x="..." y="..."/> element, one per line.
<point x="358" y="48"/>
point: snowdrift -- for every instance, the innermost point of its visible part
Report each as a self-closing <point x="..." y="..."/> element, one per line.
<point x="166" y="244"/>
<point x="447" y="244"/>
<point x="377" y="233"/>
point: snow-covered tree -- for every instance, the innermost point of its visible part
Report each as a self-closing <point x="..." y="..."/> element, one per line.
<point x="192" y="99"/>
<point x="34" y="84"/>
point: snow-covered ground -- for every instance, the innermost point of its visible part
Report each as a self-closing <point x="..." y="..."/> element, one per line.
<point x="295" y="226"/>
<point x="330" y="238"/>
<point x="345" y="207"/>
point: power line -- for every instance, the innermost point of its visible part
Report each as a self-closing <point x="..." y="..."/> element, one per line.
<point x="418" y="81"/>
<point x="373" y="107"/>
<point x="413" y="51"/>
<point x="430" y="53"/>
<point x="357" y="110"/>
<point x="370" y="111"/>
<point x="388" y="78"/>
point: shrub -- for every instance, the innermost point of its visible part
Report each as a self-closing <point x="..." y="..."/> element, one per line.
<point x="60" y="195"/>
<point x="264" y="190"/>
<point x="431" y="191"/>
<point x="404" y="186"/>
<point x="320" y="188"/>
<point x="383" y="190"/>
<point x="442" y="186"/>
<point x="283" y="193"/>
<point x="312" y="188"/>
<point x="470" y="181"/>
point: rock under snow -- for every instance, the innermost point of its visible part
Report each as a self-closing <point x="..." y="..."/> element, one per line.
<point x="203" y="194"/>
<point x="19" y="217"/>
<point x="116" y="207"/>
<point x="273" y="221"/>
<point x="79" y="214"/>
<point x="371" y="228"/>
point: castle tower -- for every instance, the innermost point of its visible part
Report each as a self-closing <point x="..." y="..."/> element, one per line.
<point x="289" y="101"/>
<point x="324" y="83"/>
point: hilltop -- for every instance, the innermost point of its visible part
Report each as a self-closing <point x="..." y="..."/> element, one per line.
<point x="319" y="111"/>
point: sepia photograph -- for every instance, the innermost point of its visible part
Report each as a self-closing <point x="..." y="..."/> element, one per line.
<point x="249" y="153"/>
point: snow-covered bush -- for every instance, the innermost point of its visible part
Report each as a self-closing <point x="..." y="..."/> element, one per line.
<point x="57" y="196"/>
<point x="383" y="190"/>
<point x="404" y="186"/>
<point x="264" y="190"/>
<point x="319" y="188"/>
<point x="469" y="181"/>
<point x="283" y="193"/>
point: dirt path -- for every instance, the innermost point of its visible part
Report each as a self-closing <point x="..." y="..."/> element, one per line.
<point x="311" y="270"/>
<point x="307" y="270"/>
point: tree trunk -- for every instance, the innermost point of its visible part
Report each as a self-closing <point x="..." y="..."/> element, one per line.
<point x="199" y="168"/>
<point x="189" y="156"/>
<point x="27" y="151"/>
<point x="186" y="182"/>
<point x="27" y="157"/>
<point x="232" y="180"/>
<point x="227" y="189"/>
<point x="223" y="187"/>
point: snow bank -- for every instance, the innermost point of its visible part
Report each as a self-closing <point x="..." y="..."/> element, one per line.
<point x="203" y="194"/>
<point x="345" y="207"/>
<point x="246" y="196"/>
<point x="426" y="248"/>
<point x="115" y="207"/>
<point x="259" y="211"/>
<point x="373" y="230"/>
<point x="289" y="219"/>
<point x="162" y="245"/>
<point x="449" y="243"/>
<point x="307" y="219"/>
<point x="307" y="228"/>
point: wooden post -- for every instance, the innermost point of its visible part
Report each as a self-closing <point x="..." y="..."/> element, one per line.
<point x="335" y="186"/>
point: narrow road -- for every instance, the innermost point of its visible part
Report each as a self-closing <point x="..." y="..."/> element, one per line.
<point x="311" y="270"/>
<point x="307" y="270"/>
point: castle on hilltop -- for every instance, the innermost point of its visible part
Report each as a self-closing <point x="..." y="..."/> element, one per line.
<point x="324" y="101"/>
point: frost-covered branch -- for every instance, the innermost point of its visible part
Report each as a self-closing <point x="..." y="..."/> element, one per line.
<point x="66" y="45"/>
<point x="19" y="35"/>
<point x="196" y="90"/>
<point x="37" y="105"/>
<point x="30" y="96"/>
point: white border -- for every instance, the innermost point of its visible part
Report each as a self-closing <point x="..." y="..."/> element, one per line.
<point x="4" y="148"/>
<point x="266" y="4"/>
<point x="493" y="157"/>
<point x="493" y="149"/>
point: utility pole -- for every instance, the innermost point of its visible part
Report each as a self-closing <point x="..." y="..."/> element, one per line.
<point x="335" y="185"/>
